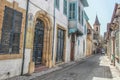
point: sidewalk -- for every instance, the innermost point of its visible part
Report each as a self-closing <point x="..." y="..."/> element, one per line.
<point x="115" y="73"/>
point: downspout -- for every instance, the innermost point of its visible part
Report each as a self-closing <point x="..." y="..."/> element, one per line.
<point x="53" y="32"/>
<point x="26" y="24"/>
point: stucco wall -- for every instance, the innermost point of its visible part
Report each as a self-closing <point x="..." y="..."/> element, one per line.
<point x="27" y="60"/>
<point x="21" y="4"/>
<point x="68" y="49"/>
<point x="10" y="68"/>
<point x="36" y="5"/>
<point x="62" y="20"/>
<point x="79" y="53"/>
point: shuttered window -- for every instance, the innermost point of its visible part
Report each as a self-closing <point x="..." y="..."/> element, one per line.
<point x="11" y="30"/>
<point x="79" y="13"/>
<point x="82" y="17"/>
<point x="65" y="7"/>
<point x="60" y="45"/>
<point x="57" y="4"/>
<point x="72" y="11"/>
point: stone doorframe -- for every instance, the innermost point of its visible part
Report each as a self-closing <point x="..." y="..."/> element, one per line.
<point x="47" y="42"/>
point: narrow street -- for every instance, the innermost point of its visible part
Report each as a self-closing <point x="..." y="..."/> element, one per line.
<point x="59" y="39"/>
<point x="93" y="68"/>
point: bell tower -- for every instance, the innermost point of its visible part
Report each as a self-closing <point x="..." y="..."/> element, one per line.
<point x="96" y="26"/>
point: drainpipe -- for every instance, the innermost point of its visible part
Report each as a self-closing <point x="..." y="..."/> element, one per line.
<point x="26" y="23"/>
<point x="53" y="32"/>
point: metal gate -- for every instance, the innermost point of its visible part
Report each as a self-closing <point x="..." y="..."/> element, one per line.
<point x="38" y="42"/>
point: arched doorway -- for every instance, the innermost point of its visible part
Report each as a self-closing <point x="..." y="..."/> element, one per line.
<point x="38" y="42"/>
<point x="41" y="41"/>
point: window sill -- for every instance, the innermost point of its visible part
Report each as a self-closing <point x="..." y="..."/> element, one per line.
<point x="10" y="56"/>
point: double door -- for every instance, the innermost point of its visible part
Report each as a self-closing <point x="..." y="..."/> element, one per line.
<point x="38" y="43"/>
<point x="60" y="46"/>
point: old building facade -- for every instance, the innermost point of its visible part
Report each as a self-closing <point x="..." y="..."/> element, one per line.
<point x="77" y="26"/>
<point x="12" y="24"/>
<point x="37" y="33"/>
<point x="113" y="37"/>
<point x="89" y="45"/>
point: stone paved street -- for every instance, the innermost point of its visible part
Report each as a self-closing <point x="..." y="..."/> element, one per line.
<point x="94" y="68"/>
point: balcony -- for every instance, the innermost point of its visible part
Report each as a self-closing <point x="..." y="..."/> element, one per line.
<point x="75" y="27"/>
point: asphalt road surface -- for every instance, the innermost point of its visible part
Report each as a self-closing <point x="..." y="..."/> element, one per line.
<point x="88" y="69"/>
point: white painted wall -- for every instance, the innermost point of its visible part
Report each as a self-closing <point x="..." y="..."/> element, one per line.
<point x="79" y="53"/>
<point x="79" y="48"/>
<point x="46" y="5"/>
<point x="13" y="66"/>
<point x="21" y="4"/>
<point x="62" y="20"/>
<point x="26" y="60"/>
<point x="68" y="49"/>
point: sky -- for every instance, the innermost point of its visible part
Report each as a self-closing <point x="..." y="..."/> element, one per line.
<point x="103" y="9"/>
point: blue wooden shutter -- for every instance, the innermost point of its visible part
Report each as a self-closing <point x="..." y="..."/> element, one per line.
<point x="72" y="11"/>
<point x="65" y="7"/>
<point x="82" y="17"/>
<point x="79" y="13"/>
<point x="57" y="4"/>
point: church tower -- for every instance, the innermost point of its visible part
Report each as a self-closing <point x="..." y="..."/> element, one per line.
<point x="96" y="26"/>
